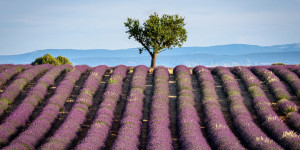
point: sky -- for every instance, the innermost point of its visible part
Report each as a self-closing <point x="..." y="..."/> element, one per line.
<point x="29" y="25"/>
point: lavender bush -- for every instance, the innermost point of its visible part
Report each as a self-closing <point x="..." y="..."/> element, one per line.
<point x="286" y="106"/>
<point x="268" y="118"/>
<point x="5" y="66"/>
<point x="218" y="131"/>
<point x="293" y="120"/>
<point x="294" y="68"/>
<point x="29" y="138"/>
<point x="128" y="134"/>
<point x="275" y="85"/>
<point x="290" y="77"/>
<point x="159" y="136"/>
<point x="99" y="129"/>
<point x="250" y="134"/>
<point x="14" y="89"/>
<point x="64" y="135"/>
<point x="191" y="136"/>
<point x="8" y="73"/>
<point x="22" y="113"/>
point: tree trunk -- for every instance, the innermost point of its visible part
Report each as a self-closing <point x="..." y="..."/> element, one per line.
<point x="153" y="61"/>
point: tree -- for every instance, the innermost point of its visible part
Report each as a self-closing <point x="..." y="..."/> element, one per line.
<point x="157" y="33"/>
<point x="63" y="60"/>
<point x="48" y="59"/>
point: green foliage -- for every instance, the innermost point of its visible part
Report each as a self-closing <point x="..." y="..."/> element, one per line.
<point x="87" y="92"/>
<point x="157" y="34"/>
<point x="111" y="80"/>
<point x="48" y="59"/>
<point x="81" y="108"/>
<point x="289" y="109"/>
<point x="277" y="64"/>
<point x="185" y="88"/>
<point x="63" y="60"/>
<point x="230" y="93"/>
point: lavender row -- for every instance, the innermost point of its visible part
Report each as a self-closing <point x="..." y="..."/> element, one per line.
<point x="293" y="120"/>
<point x="64" y="135"/>
<point x="5" y="66"/>
<point x="14" y="89"/>
<point x="129" y="132"/>
<point x="22" y="113"/>
<point x="284" y="104"/>
<point x="249" y="133"/>
<point x="99" y="129"/>
<point x="290" y="110"/>
<point x="278" y="90"/>
<point x="29" y="138"/>
<point x="159" y="136"/>
<point x="294" y="68"/>
<point x="275" y="85"/>
<point x="290" y="77"/>
<point x="268" y="118"/>
<point x="8" y="73"/>
<point x="191" y="136"/>
<point x="218" y="131"/>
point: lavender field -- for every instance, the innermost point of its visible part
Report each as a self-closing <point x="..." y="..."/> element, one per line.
<point x="129" y="108"/>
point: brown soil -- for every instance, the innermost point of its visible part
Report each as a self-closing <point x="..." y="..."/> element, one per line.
<point x="173" y="111"/>
<point x="148" y="96"/>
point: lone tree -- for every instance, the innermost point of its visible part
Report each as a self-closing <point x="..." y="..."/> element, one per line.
<point x="157" y="34"/>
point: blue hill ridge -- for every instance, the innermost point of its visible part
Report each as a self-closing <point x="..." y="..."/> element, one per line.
<point x="222" y="55"/>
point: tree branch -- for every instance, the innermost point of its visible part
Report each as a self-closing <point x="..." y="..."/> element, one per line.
<point x="163" y="49"/>
<point x="146" y="47"/>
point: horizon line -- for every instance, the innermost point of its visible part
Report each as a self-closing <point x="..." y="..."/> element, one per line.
<point x="139" y="47"/>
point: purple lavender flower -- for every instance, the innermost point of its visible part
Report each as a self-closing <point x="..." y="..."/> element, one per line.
<point x="5" y="66"/>
<point x="218" y="131"/>
<point x="76" y="117"/>
<point x="286" y="106"/>
<point x="293" y="120"/>
<point x="13" y="90"/>
<point x="31" y="136"/>
<point x="8" y="73"/>
<point x="290" y="77"/>
<point x="250" y="134"/>
<point x="128" y="134"/>
<point x="270" y="121"/>
<point x="190" y="134"/>
<point x="159" y="131"/>
<point x="99" y="130"/>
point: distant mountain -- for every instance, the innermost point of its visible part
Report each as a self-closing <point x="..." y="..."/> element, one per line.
<point x="198" y="59"/>
<point x="225" y="55"/>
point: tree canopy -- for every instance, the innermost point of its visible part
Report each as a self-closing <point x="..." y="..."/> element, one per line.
<point x="48" y="59"/>
<point x="157" y="34"/>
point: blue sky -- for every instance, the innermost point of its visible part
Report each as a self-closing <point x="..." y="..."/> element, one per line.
<point x="28" y="25"/>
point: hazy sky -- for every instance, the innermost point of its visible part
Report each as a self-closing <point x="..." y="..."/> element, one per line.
<point x="28" y="25"/>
